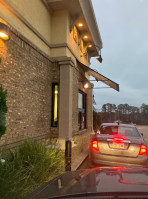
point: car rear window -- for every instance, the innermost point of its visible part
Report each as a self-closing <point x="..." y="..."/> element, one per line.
<point x="126" y="131"/>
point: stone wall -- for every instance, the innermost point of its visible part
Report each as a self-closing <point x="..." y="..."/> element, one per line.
<point x="75" y="90"/>
<point x="27" y="74"/>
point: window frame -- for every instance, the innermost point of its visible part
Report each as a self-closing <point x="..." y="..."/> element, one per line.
<point x="82" y="111"/>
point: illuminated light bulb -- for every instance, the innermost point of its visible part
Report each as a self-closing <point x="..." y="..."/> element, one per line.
<point x="80" y="24"/>
<point x="4" y="31"/>
<point x="4" y="36"/>
<point x="89" y="46"/>
<point x="86" y="85"/>
<point x="85" y="37"/>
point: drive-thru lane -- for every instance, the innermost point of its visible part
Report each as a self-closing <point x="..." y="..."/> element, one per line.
<point x="142" y="129"/>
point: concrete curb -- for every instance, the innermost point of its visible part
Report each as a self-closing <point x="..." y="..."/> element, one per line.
<point x="80" y="159"/>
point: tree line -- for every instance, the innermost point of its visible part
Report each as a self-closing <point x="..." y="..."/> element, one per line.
<point x="123" y="112"/>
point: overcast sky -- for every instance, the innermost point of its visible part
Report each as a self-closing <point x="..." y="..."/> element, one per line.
<point x="123" y="26"/>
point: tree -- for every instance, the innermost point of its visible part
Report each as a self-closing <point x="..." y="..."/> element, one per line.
<point x="104" y="108"/>
<point x="125" y="113"/>
<point x="144" y="113"/>
<point x="3" y="111"/>
<point x="96" y="120"/>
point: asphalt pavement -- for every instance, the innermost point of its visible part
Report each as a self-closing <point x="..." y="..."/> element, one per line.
<point x="142" y="129"/>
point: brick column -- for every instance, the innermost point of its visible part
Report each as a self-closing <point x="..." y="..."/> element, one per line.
<point x="65" y="103"/>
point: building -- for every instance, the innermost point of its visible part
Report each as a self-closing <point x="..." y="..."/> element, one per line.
<point x="44" y="66"/>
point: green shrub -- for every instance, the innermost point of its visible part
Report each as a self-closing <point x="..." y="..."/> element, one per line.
<point x="31" y="165"/>
<point x="97" y="120"/>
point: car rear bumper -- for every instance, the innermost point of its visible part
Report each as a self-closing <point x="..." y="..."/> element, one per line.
<point x="110" y="160"/>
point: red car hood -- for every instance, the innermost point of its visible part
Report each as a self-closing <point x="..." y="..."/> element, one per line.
<point x="98" y="180"/>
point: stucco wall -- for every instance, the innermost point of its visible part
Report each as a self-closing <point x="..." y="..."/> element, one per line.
<point x="81" y="143"/>
<point x="36" y="14"/>
<point x="27" y="74"/>
<point x="53" y="27"/>
<point x="59" y="27"/>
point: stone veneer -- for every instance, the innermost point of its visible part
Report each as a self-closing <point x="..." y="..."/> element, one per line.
<point x="27" y="74"/>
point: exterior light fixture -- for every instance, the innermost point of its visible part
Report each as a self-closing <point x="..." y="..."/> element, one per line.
<point x="90" y="45"/>
<point x="86" y="85"/>
<point x="85" y="37"/>
<point x="80" y="24"/>
<point x="4" y="31"/>
<point x="99" y="59"/>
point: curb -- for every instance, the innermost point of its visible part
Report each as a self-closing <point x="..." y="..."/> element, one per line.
<point x="80" y="159"/>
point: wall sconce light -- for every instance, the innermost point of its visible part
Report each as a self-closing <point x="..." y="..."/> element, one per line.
<point x="86" y="85"/>
<point x="4" y="32"/>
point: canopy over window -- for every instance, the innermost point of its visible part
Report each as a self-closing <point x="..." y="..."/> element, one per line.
<point x="100" y="77"/>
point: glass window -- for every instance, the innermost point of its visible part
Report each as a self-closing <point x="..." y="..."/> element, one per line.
<point x="80" y="101"/>
<point x="125" y="131"/>
<point x="55" y="92"/>
<point x="82" y="110"/>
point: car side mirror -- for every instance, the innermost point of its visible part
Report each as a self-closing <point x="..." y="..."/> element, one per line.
<point x="142" y="134"/>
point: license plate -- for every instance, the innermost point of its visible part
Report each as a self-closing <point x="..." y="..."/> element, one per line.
<point x="118" y="145"/>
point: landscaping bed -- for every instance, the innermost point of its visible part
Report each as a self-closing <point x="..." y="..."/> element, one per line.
<point x="28" y="167"/>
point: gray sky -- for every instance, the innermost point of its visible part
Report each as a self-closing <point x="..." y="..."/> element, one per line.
<point x="123" y="26"/>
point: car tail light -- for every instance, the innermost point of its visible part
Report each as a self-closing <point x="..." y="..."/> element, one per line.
<point x="143" y="149"/>
<point x="94" y="145"/>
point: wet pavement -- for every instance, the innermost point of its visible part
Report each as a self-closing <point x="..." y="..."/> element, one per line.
<point x="142" y="129"/>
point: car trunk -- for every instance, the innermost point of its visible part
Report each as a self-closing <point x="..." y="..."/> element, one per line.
<point x="127" y="147"/>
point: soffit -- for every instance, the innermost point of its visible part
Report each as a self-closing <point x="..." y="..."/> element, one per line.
<point x="71" y="5"/>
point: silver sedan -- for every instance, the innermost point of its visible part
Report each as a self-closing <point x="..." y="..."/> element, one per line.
<point x="118" y="145"/>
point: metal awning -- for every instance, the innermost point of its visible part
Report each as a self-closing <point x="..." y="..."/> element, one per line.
<point x="100" y="77"/>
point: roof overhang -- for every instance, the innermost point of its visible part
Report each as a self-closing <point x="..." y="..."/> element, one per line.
<point x="80" y="10"/>
<point x="89" y="15"/>
<point x="99" y="77"/>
